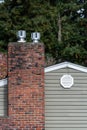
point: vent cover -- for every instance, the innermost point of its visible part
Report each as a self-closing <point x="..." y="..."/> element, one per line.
<point x="67" y="81"/>
<point x="21" y="35"/>
<point x="35" y="36"/>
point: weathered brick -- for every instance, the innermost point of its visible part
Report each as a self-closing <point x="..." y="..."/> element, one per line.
<point x="25" y="87"/>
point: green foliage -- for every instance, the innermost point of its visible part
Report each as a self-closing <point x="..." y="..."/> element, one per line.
<point x="43" y="16"/>
<point x="74" y="33"/>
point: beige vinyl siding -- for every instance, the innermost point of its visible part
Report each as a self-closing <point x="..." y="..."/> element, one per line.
<point x="3" y="101"/>
<point x="65" y="109"/>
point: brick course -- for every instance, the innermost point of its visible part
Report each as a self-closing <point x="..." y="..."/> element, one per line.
<point x="25" y="87"/>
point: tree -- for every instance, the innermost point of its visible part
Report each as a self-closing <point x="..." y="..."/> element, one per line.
<point x="62" y="28"/>
<point x="72" y="35"/>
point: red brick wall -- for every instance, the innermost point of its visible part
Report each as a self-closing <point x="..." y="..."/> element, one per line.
<point x="25" y="87"/>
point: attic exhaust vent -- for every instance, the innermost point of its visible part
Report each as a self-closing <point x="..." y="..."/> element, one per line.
<point x="35" y="36"/>
<point x="67" y="81"/>
<point x="21" y="36"/>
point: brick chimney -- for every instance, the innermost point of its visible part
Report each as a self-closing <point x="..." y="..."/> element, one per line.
<point x="26" y="86"/>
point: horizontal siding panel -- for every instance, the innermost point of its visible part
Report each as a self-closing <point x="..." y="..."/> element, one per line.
<point x="67" y="125"/>
<point x="65" y="118"/>
<point x="58" y="81"/>
<point x="3" y="100"/>
<point x="2" y="96"/>
<point x="66" y="70"/>
<point x="66" y="103"/>
<point x="65" y="96"/>
<point x="49" y="128"/>
<point x="66" y="100"/>
<point x="57" y="88"/>
<point x="3" y="108"/>
<point x="65" y="110"/>
<point x="58" y="85"/>
<point x="4" y="112"/>
<point x="53" y="77"/>
<point x="60" y="74"/>
<point x="67" y="122"/>
<point x="66" y="114"/>
<point x="3" y="88"/>
<point x="4" y="103"/>
<point x="66" y="92"/>
<point x="3" y="92"/>
<point x="66" y="107"/>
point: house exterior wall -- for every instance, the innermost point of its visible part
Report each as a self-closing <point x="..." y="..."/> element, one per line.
<point x="25" y="87"/>
<point x="65" y="109"/>
<point x="3" y="84"/>
<point x="3" y="100"/>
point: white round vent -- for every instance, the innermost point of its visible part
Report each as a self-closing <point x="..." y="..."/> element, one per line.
<point x="67" y="81"/>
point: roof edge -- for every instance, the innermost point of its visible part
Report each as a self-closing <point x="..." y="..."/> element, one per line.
<point x="3" y="82"/>
<point x="64" y="65"/>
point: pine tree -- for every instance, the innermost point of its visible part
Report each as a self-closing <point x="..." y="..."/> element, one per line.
<point x="72" y="35"/>
<point x="62" y="25"/>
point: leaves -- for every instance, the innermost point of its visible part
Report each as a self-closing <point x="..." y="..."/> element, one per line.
<point x="43" y="16"/>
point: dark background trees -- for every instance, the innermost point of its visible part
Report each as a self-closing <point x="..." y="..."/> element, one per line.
<point x="62" y="24"/>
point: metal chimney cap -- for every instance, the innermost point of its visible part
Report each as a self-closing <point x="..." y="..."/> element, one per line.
<point x="21" y="35"/>
<point x="35" y="36"/>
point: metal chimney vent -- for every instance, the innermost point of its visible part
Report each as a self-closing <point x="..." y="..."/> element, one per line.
<point x="21" y="36"/>
<point x="35" y="36"/>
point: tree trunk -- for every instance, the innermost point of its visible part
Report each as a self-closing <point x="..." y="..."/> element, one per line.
<point x="59" y="28"/>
